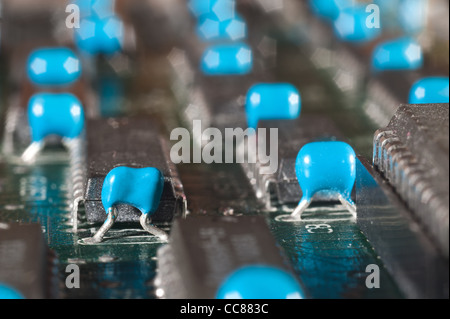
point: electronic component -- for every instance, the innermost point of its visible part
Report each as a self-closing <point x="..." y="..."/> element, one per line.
<point x="430" y="90"/>
<point x="53" y="114"/>
<point x="271" y="102"/>
<point x="101" y="31"/>
<point x="97" y="8"/>
<point x="204" y="251"/>
<point x="327" y="167"/>
<point x="27" y="267"/>
<point x="411" y="257"/>
<point x="282" y="186"/>
<point x="138" y="187"/>
<point x="399" y="54"/>
<point x="53" y="66"/>
<point x="412" y="152"/>
<point x="133" y="142"/>
<point x="96" y="36"/>
<point x="7" y="292"/>
<point x="328" y="9"/>
<point x="210" y="28"/>
<point x="227" y="59"/>
<point x="260" y="282"/>
<point x="351" y="25"/>
<point x="222" y="9"/>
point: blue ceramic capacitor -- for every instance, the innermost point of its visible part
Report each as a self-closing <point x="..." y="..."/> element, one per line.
<point x="272" y="101"/>
<point x="7" y="292"/>
<point x="260" y="282"/>
<point x="100" y="36"/>
<point x="227" y="59"/>
<point x="399" y="54"/>
<point x="328" y="9"/>
<point x="222" y="10"/>
<point x="139" y="187"/>
<point x="430" y="90"/>
<point x="55" y="114"/>
<point x="329" y="168"/>
<point x="53" y="66"/>
<point x="209" y="28"/>
<point x="354" y="24"/>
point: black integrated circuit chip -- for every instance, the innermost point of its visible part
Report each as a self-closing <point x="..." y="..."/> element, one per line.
<point x="408" y="253"/>
<point x="133" y="142"/>
<point x="26" y="263"/>
<point x="204" y="250"/>
<point x="412" y="153"/>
